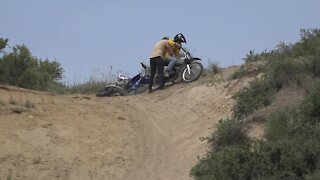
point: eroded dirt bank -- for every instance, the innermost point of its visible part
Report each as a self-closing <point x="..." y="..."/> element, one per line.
<point x="75" y="137"/>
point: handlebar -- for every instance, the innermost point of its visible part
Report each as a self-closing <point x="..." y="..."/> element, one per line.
<point x="187" y="52"/>
<point x="143" y="65"/>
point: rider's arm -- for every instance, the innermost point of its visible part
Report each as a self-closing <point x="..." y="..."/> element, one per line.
<point x="170" y="49"/>
<point x="177" y="48"/>
<point x="177" y="45"/>
<point x="177" y="53"/>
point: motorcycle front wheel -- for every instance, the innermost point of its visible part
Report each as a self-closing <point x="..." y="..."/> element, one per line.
<point x="192" y="74"/>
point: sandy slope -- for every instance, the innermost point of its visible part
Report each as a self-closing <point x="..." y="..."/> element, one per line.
<point x="148" y="136"/>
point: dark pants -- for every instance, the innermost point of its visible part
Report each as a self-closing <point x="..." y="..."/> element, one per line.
<point x="156" y="63"/>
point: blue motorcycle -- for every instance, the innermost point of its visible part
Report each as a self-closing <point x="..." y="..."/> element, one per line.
<point x="127" y="86"/>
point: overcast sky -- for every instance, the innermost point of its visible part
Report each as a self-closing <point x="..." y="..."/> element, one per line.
<point x="89" y="36"/>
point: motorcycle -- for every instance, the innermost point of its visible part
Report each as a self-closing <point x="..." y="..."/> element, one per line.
<point x="188" y="69"/>
<point x="126" y="85"/>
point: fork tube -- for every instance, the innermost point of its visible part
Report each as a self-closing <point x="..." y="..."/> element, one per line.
<point x="188" y="67"/>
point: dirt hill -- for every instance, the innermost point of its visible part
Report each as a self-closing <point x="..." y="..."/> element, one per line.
<point x="75" y="137"/>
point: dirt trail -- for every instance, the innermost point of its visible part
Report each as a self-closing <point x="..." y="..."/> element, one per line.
<point x="148" y="136"/>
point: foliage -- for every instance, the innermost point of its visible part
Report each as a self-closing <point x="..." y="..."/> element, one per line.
<point x="291" y="151"/>
<point x="3" y="43"/>
<point x="89" y="87"/>
<point x="213" y="67"/>
<point x="228" y="132"/>
<point x="311" y="107"/>
<point x="229" y="163"/>
<point x="283" y="124"/>
<point x="285" y="66"/>
<point x="211" y="71"/>
<point x="257" y="95"/>
<point x="20" y="68"/>
<point x="253" y="56"/>
<point x="291" y="148"/>
<point x="309" y="43"/>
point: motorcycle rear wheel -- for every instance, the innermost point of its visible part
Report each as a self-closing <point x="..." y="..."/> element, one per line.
<point x="196" y="69"/>
<point x="111" y="91"/>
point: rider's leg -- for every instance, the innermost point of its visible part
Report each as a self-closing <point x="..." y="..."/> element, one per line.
<point x="172" y="62"/>
<point x="153" y="65"/>
<point x="160" y="65"/>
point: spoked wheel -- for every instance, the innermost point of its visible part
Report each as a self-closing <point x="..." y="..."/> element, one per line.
<point x="192" y="73"/>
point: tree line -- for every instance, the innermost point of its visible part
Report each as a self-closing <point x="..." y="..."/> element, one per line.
<point x="18" y="67"/>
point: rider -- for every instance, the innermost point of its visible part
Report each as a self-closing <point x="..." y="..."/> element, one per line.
<point x="161" y="48"/>
<point x="172" y="59"/>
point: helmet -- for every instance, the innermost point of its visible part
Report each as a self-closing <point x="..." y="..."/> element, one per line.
<point x="165" y="38"/>
<point x="180" y="38"/>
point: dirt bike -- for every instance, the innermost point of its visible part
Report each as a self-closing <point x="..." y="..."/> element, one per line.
<point x="188" y="68"/>
<point x="126" y="85"/>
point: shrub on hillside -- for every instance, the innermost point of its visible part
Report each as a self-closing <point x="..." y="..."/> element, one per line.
<point x="292" y="154"/>
<point x="309" y="43"/>
<point x="291" y="148"/>
<point x="236" y="162"/>
<point x="211" y="70"/>
<point x="214" y="68"/>
<point x="286" y="72"/>
<point x="311" y="106"/>
<point x="228" y="132"/>
<point x="257" y="95"/>
<point x="283" y="124"/>
<point x="281" y="73"/>
<point x="3" y="43"/>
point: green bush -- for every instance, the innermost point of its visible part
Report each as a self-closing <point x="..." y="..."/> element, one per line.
<point x="283" y="123"/>
<point x="257" y="95"/>
<point x="213" y="68"/>
<point x="314" y="176"/>
<point x="240" y="73"/>
<point x="309" y="43"/>
<point x="228" y="132"/>
<point x="295" y="154"/>
<point x="20" y="68"/>
<point x="3" y="43"/>
<point x="311" y="106"/>
<point x="230" y="163"/>
<point x="291" y="148"/>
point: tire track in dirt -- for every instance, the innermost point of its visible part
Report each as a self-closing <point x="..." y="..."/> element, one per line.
<point x="170" y="124"/>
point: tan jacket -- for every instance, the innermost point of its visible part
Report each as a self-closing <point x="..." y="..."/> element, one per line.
<point x="159" y="49"/>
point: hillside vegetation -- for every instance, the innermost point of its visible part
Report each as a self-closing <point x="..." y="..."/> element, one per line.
<point x="18" y="67"/>
<point x="290" y="147"/>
